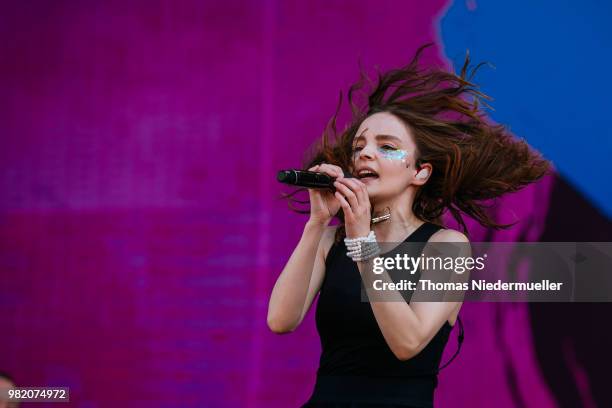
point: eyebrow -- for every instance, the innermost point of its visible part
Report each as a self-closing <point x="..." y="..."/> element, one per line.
<point x="378" y="137"/>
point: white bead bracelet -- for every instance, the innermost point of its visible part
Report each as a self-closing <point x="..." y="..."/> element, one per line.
<point x="362" y="248"/>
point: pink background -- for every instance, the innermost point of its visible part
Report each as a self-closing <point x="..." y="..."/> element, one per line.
<point x="140" y="226"/>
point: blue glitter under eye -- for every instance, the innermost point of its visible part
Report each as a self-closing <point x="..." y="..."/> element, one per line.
<point x="393" y="154"/>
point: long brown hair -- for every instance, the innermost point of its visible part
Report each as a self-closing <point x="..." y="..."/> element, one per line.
<point x="473" y="159"/>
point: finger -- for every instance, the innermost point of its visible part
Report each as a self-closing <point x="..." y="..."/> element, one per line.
<point x="339" y="172"/>
<point x="332" y="170"/>
<point x="325" y="168"/>
<point x="360" y="191"/>
<point x="314" y="168"/>
<point x="358" y="188"/>
<point x="347" y="192"/>
<point x="346" y="207"/>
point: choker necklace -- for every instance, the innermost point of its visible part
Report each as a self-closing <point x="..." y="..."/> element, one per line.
<point x="381" y="218"/>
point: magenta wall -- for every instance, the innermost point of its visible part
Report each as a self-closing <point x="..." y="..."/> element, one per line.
<point x="140" y="228"/>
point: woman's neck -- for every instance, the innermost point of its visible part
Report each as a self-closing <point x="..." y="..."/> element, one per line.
<point x="396" y="230"/>
<point x="401" y="223"/>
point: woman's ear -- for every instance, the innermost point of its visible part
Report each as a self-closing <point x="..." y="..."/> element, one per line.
<point x="423" y="173"/>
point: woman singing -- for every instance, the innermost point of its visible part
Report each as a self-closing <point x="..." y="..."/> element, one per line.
<point x="419" y="147"/>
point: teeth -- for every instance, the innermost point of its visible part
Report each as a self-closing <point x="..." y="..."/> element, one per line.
<point x="366" y="173"/>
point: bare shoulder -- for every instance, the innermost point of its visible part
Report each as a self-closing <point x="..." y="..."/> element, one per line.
<point x="448" y="235"/>
<point x="327" y="240"/>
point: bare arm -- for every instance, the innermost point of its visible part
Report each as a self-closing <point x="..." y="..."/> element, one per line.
<point x="301" y="279"/>
<point x="408" y="328"/>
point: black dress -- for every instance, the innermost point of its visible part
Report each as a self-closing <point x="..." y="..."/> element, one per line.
<point x="357" y="368"/>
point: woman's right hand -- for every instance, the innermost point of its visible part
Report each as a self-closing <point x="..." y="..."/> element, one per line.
<point x="323" y="204"/>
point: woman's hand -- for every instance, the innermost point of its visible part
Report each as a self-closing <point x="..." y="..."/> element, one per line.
<point x="355" y="202"/>
<point x="323" y="204"/>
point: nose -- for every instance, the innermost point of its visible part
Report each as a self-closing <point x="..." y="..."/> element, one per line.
<point x="367" y="152"/>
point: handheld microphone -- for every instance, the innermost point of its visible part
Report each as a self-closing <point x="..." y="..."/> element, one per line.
<point x="308" y="179"/>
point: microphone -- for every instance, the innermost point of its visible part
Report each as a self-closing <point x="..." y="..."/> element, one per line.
<point x="308" y="179"/>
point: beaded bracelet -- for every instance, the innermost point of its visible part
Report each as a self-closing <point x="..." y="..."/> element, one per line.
<point x="362" y="248"/>
<point x="370" y="251"/>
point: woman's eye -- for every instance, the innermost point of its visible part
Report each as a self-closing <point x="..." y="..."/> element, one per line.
<point x="357" y="148"/>
<point x="388" y="147"/>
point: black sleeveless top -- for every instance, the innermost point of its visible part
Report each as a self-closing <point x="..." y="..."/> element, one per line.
<point x="357" y="368"/>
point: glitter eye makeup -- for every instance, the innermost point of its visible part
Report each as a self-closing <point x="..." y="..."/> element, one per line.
<point x="386" y="152"/>
<point x="396" y="154"/>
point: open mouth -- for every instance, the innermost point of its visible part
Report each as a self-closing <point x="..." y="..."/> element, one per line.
<point x="365" y="175"/>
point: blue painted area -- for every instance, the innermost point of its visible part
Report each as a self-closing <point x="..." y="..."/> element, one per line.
<point x="551" y="83"/>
